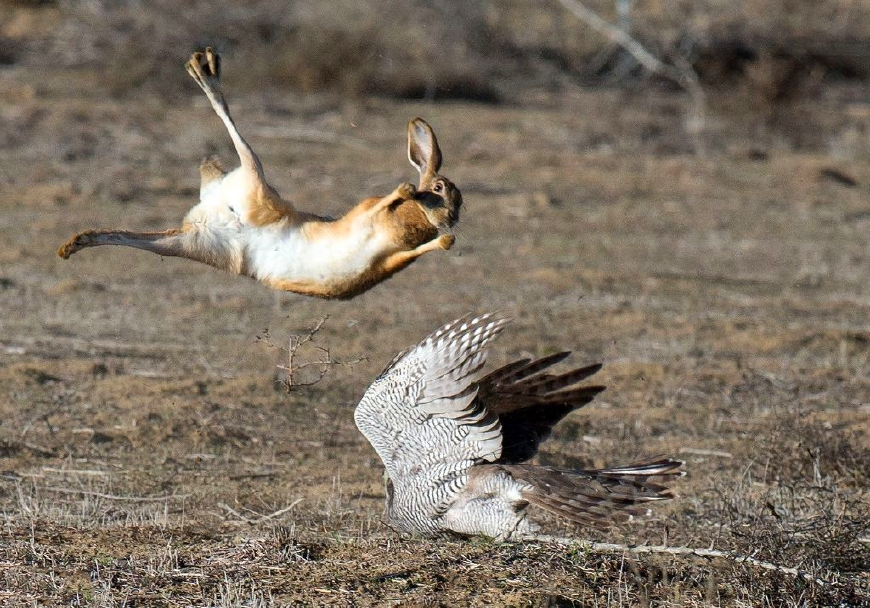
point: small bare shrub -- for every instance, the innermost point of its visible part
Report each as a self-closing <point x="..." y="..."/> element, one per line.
<point x="292" y="373"/>
<point x="803" y="498"/>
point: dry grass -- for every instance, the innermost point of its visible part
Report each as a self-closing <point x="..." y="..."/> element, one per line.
<point x="277" y="570"/>
<point x="147" y="455"/>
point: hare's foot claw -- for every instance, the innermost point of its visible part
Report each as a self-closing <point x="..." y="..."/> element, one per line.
<point x="75" y="244"/>
<point x="445" y="241"/>
<point x="204" y="66"/>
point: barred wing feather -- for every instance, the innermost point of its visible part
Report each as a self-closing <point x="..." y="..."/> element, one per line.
<point x="421" y="414"/>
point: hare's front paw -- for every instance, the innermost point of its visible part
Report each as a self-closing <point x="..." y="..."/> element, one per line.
<point x="445" y="241"/>
<point x="406" y="191"/>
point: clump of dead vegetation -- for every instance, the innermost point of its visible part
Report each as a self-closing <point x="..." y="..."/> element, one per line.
<point x="456" y="49"/>
<point x="800" y="499"/>
<point x="281" y="566"/>
<point x="425" y="50"/>
<point x="761" y="68"/>
<point x="304" y="363"/>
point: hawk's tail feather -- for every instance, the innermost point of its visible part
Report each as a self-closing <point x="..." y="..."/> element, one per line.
<point x="597" y="497"/>
<point x="664" y="467"/>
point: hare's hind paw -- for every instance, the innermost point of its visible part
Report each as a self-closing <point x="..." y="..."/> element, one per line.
<point x="75" y="244"/>
<point x="204" y="66"/>
<point x="445" y="241"/>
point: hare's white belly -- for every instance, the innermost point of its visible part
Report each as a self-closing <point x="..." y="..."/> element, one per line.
<point x="287" y="253"/>
<point x="281" y="250"/>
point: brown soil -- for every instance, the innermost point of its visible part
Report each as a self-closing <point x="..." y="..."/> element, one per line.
<point x="148" y="455"/>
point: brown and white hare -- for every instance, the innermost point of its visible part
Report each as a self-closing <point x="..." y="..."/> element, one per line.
<point x="243" y="226"/>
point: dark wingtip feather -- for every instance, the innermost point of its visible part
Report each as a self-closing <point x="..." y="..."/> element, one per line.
<point x="554" y="382"/>
<point x="529" y="401"/>
<point x="576" y="397"/>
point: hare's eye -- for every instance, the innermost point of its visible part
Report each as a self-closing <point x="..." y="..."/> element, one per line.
<point x="438" y="187"/>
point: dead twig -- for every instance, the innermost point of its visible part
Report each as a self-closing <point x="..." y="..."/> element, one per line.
<point x="280" y="511"/>
<point x="293" y="367"/>
<point x="623" y="39"/>
<point x="682" y="73"/>
<point x="700" y="452"/>
<point x="637" y="549"/>
<point x="117" y="497"/>
<point x="74" y="471"/>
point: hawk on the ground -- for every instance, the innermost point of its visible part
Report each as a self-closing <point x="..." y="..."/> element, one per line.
<point x="455" y="442"/>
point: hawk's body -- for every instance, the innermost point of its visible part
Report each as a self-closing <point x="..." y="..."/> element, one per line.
<point x="454" y="443"/>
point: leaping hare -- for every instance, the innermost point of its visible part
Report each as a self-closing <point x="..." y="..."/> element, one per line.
<point x="243" y="226"/>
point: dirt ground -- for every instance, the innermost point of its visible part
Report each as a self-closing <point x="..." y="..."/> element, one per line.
<point x="150" y="457"/>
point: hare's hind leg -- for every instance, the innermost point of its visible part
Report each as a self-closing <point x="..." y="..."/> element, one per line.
<point x="205" y="68"/>
<point x="260" y="202"/>
<point x="183" y="242"/>
<point x="168" y="242"/>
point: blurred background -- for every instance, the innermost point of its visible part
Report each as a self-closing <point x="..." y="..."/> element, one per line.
<point x="702" y="228"/>
<point x="787" y="72"/>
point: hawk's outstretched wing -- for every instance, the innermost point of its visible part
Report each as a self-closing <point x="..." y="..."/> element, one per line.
<point x="530" y="400"/>
<point x="422" y="418"/>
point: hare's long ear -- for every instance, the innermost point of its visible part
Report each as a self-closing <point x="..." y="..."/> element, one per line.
<point x="423" y="150"/>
